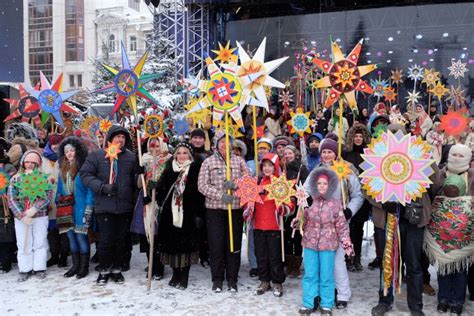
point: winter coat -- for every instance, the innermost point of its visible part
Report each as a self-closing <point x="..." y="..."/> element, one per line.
<point x="273" y="127"/>
<point x="7" y="226"/>
<point x="96" y="171"/>
<point x="50" y="167"/>
<point x="295" y="167"/>
<point x="325" y="226"/>
<point x="175" y="240"/>
<point x="313" y="159"/>
<point x="321" y="126"/>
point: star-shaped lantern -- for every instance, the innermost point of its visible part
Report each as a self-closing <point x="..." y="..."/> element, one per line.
<point x="342" y="169"/>
<point x="397" y="76"/>
<point x="389" y="94"/>
<point x="112" y="151"/>
<point x="153" y="126"/>
<point x="33" y="185"/>
<point x="454" y="123"/>
<point x="300" y="122"/>
<point x="128" y="82"/>
<point x="413" y="97"/>
<point x="379" y="86"/>
<point x="280" y="190"/>
<point x="90" y="123"/>
<point x="50" y="99"/>
<point x="232" y="129"/>
<point x="225" y="54"/>
<point x="198" y="118"/>
<point x="457" y="95"/>
<point x="181" y="126"/>
<point x="25" y="102"/>
<point x="224" y="92"/>
<point x="4" y="181"/>
<point x="257" y="64"/>
<point x="285" y="98"/>
<point x="457" y="69"/>
<point x="104" y="125"/>
<point x="344" y="75"/>
<point x="248" y="190"/>
<point x="431" y="76"/>
<point x="396" y="168"/>
<point x="301" y="196"/>
<point x="439" y="90"/>
<point x="415" y="72"/>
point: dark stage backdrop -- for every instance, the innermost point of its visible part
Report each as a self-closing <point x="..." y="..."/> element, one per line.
<point x="11" y="41"/>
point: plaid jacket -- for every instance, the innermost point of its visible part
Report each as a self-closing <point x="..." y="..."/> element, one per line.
<point x="212" y="176"/>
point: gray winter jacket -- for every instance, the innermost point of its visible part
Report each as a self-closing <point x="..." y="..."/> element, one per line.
<point x="95" y="173"/>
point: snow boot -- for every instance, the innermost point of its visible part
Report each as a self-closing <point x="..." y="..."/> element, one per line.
<point x="24" y="276"/>
<point x="103" y="278"/>
<point x="381" y="309"/>
<point x="175" y="278"/>
<point x="326" y="311"/>
<point x="217" y="286"/>
<point x="41" y="274"/>
<point x="295" y="272"/>
<point x="375" y="264"/>
<point x="62" y="263"/>
<point x="117" y="277"/>
<point x="277" y="290"/>
<point x="83" y="266"/>
<point x="289" y="263"/>
<point x="75" y="265"/>
<point x="184" y="277"/>
<point x="357" y="265"/>
<point x="306" y="310"/>
<point x="262" y="288"/>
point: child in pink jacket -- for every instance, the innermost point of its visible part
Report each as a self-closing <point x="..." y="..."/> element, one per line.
<point x="324" y="227"/>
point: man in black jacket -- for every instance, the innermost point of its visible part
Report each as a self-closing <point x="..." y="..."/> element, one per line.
<point x="113" y="202"/>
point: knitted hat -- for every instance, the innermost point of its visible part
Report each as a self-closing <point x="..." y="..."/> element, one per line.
<point x="328" y="143"/>
<point x="32" y="155"/>
<point x="457" y="164"/>
<point x="332" y="136"/>
<point x="457" y="181"/>
<point x="55" y="139"/>
<point x="282" y="140"/>
<point x="187" y="146"/>
<point x="292" y="148"/>
<point x="197" y="132"/>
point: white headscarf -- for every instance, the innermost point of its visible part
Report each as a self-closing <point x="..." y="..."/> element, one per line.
<point x="459" y="165"/>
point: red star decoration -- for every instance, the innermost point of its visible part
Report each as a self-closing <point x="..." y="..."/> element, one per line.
<point x="248" y="190"/>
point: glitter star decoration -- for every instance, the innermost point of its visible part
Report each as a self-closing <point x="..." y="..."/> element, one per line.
<point x="413" y="97"/>
<point x="248" y="190"/>
<point x="280" y="189"/>
<point x="344" y="76"/>
<point x="224" y="92"/>
<point x="198" y="118"/>
<point x="457" y="95"/>
<point x="397" y="76"/>
<point x="104" y="125"/>
<point x="396" y="168"/>
<point x="342" y="168"/>
<point x="153" y="125"/>
<point x="300" y="122"/>
<point x="128" y="83"/>
<point x="181" y="126"/>
<point x="232" y="129"/>
<point x="415" y="72"/>
<point x="431" y="76"/>
<point x="258" y="64"/>
<point x="378" y="86"/>
<point x="51" y="99"/>
<point x="225" y="54"/>
<point x="301" y="196"/>
<point x="457" y="69"/>
<point x="439" y="90"/>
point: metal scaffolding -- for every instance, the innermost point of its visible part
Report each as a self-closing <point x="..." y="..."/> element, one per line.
<point x="187" y="27"/>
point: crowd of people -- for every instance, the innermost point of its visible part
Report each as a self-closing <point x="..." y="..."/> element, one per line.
<point x="93" y="199"/>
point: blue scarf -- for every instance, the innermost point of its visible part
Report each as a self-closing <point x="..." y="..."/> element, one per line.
<point x="49" y="153"/>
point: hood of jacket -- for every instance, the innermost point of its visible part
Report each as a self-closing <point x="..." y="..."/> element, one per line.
<point x="313" y="179"/>
<point x="274" y="159"/>
<point x="79" y="145"/>
<point x="357" y="129"/>
<point x="117" y="129"/>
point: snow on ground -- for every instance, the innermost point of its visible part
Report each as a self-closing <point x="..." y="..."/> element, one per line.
<point x="59" y="296"/>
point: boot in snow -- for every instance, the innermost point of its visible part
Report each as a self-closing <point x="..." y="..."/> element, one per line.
<point x="75" y="265"/>
<point x="262" y="288"/>
<point x="277" y="290"/>
<point x="83" y="266"/>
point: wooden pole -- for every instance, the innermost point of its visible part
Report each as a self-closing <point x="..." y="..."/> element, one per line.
<point x="254" y="117"/>
<point x="228" y="175"/>
<point x="152" y="228"/>
<point x="282" y="232"/>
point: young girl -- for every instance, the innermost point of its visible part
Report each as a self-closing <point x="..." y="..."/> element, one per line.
<point x="31" y="222"/>
<point x="72" y="154"/>
<point x="267" y="234"/>
<point x="324" y="227"/>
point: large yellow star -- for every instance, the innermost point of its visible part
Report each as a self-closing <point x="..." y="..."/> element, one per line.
<point x="342" y="169"/>
<point x="280" y="190"/>
<point x="199" y="118"/>
<point x="344" y="76"/>
<point x="439" y="90"/>
<point x="112" y="151"/>
<point x="431" y="76"/>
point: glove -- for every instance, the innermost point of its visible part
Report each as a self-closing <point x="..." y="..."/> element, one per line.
<point x="347" y="213"/>
<point x="227" y="198"/>
<point x="27" y="220"/>
<point x="348" y="248"/>
<point x="87" y="216"/>
<point x="146" y="200"/>
<point x="140" y="170"/>
<point x="295" y="223"/>
<point x="230" y="185"/>
<point x="30" y="212"/>
<point x="109" y="189"/>
<point x="390" y="207"/>
<point x="413" y="214"/>
<point x="152" y="184"/>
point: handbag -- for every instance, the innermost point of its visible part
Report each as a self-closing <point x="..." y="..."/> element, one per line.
<point x="64" y="206"/>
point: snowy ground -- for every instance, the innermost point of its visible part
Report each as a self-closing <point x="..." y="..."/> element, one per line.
<point x="59" y="296"/>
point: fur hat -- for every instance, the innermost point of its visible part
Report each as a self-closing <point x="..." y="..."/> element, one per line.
<point x="328" y="143"/>
<point x="219" y="135"/>
<point x="357" y="128"/>
<point x="19" y="146"/>
<point x="313" y="182"/>
<point x="241" y="145"/>
<point x="24" y="130"/>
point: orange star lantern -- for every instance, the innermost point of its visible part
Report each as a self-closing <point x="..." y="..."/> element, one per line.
<point x="344" y="75"/>
<point x="280" y="190"/>
<point x="454" y="122"/>
<point x="225" y="54"/>
<point x="112" y="152"/>
<point x="341" y="168"/>
<point x="390" y="94"/>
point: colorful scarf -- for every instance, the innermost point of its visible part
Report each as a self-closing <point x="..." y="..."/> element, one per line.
<point x="177" y="200"/>
<point x="449" y="234"/>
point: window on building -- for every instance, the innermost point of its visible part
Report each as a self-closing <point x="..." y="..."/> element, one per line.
<point x="133" y="43"/>
<point x="74" y="30"/>
<point x="112" y="43"/>
<point x="134" y="4"/>
<point x="79" y="80"/>
<point x="71" y="81"/>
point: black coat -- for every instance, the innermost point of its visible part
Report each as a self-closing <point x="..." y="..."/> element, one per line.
<point x="293" y="168"/>
<point x="171" y="239"/>
<point x="95" y="173"/>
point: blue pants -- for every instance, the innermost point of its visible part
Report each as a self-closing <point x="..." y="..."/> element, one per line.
<point x="251" y="248"/>
<point x="79" y="243"/>
<point x="318" y="279"/>
<point x="452" y="288"/>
